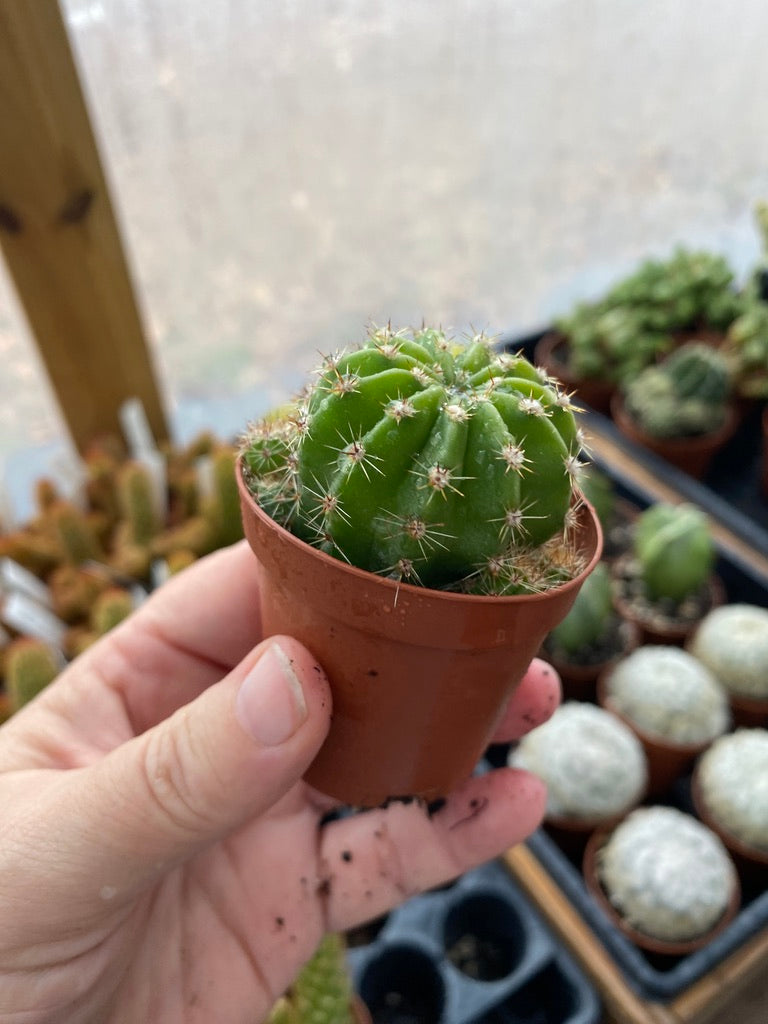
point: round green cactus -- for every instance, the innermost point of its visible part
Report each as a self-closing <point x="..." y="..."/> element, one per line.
<point x="425" y="460"/>
<point x="591" y="615"/>
<point x="684" y="396"/>
<point x="322" y="993"/>
<point x="674" y="547"/>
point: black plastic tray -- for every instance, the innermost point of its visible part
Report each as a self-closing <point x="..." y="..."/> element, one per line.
<point x="731" y="490"/>
<point x="653" y="977"/>
<point x="406" y="967"/>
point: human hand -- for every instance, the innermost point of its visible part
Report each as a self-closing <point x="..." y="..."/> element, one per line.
<point x="161" y="859"/>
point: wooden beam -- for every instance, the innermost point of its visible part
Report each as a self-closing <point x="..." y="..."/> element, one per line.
<point x="58" y="231"/>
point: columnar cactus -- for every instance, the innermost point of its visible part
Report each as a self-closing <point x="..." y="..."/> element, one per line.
<point x="30" y="665"/>
<point x="427" y="461"/>
<point x="590" y="617"/>
<point x="322" y="993"/>
<point x="73" y="533"/>
<point x="136" y="504"/>
<point x="685" y="396"/>
<point x="675" y="550"/>
<point x="109" y="609"/>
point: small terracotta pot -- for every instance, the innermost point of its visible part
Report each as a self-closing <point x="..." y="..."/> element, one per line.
<point x="573" y="834"/>
<point x="751" y="863"/>
<point x="692" y="455"/>
<point x="653" y="632"/>
<point x="667" y="761"/>
<point x="419" y="677"/>
<point x="579" y="681"/>
<point x="360" y="1011"/>
<point x="640" y="939"/>
<point x="551" y="353"/>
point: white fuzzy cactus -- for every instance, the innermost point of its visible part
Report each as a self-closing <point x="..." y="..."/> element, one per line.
<point x="733" y="784"/>
<point x="667" y="875"/>
<point x="732" y="641"/>
<point x="668" y="693"/>
<point x="593" y="765"/>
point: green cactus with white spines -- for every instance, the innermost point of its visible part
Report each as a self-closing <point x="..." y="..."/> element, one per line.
<point x="591" y="616"/>
<point x="424" y="460"/>
<point x="675" y="549"/>
<point x="685" y="396"/>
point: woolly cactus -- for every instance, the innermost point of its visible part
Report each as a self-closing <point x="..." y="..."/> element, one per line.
<point x="666" y="874"/>
<point x="593" y="765"/>
<point x="685" y="396"/>
<point x="590" y="617"/>
<point x="666" y="692"/>
<point x="675" y="550"/>
<point x="30" y="665"/>
<point x="732" y="642"/>
<point x="322" y="993"/>
<point x="733" y="785"/>
<point x="425" y="461"/>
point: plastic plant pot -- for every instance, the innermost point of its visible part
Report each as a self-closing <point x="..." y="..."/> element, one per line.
<point x="419" y="677"/>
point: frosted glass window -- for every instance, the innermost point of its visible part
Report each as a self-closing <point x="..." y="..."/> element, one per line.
<point x="287" y="171"/>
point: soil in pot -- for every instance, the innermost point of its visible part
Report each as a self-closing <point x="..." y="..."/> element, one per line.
<point x="419" y="677"/>
<point x="692" y="455"/>
<point x="663" y="621"/>
<point x="403" y="986"/>
<point x="551" y="353"/>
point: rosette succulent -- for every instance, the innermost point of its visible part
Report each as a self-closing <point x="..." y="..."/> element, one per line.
<point x="441" y="464"/>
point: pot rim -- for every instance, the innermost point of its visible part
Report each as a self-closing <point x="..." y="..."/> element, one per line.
<point x="335" y="566"/>
<point x="648" y="942"/>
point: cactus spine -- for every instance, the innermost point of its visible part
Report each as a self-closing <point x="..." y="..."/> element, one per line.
<point x="425" y="461"/>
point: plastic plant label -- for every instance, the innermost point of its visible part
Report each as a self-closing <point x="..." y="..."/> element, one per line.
<point x="28" y="617"/>
<point x="136" y="428"/>
<point x="14" y="577"/>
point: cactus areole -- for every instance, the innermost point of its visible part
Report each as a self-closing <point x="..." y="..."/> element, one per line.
<point x="418" y="525"/>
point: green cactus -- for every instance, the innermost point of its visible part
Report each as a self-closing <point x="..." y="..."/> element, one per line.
<point x="746" y="348"/>
<point x="598" y="488"/>
<point x="73" y="533"/>
<point x="685" y="396"/>
<point x="222" y="507"/>
<point x="30" y="665"/>
<point x="137" y="504"/>
<point x="439" y="464"/>
<point x="322" y="993"/>
<point x="675" y="550"/>
<point x="109" y="609"/>
<point x="590" y="617"/>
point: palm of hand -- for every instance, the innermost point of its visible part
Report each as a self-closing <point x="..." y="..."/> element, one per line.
<point x="138" y="882"/>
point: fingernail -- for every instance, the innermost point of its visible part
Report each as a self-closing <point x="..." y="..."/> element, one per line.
<point x="270" y="704"/>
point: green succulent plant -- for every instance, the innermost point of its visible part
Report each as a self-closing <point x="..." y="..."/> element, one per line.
<point x="436" y="463"/>
<point x="674" y="547"/>
<point x="591" y="614"/>
<point x="684" y="396"/>
<point x="322" y="992"/>
<point x="30" y="665"/>
<point x="746" y="348"/>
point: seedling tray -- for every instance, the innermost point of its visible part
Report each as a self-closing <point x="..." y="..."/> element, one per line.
<point x="640" y="987"/>
<point x="475" y="952"/>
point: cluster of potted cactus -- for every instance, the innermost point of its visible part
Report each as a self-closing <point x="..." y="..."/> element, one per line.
<point x="91" y="557"/>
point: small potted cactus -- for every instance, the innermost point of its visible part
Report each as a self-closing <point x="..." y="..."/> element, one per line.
<point x="29" y="666"/>
<point x="594" y="768"/>
<point x="591" y="638"/>
<point x="673" y="704"/>
<point x="322" y="993"/>
<point x="664" y="879"/>
<point x="730" y="793"/>
<point x="667" y="584"/>
<point x="418" y="524"/>
<point x="680" y="408"/>
<point x="732" y="641"/>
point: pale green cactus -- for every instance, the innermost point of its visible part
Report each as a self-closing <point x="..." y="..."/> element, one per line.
<point x="591" y="616"/>
<point x="674" y="547"/>
<point x="30" y="665"/>
<point x="322" y="992"/>
<point x="434" y="463"/>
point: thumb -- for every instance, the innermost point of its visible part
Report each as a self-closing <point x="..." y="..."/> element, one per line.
<point x="216" y="763"/>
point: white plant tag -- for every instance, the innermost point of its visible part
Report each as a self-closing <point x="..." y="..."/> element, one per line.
<point x="205" y="477"/>
<point x="70" y="477"/>
<point x="14" y="577"/>
<point x="160" y="573"/>
<point x="136" y="428"/>
<point x="26" y="616"/>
